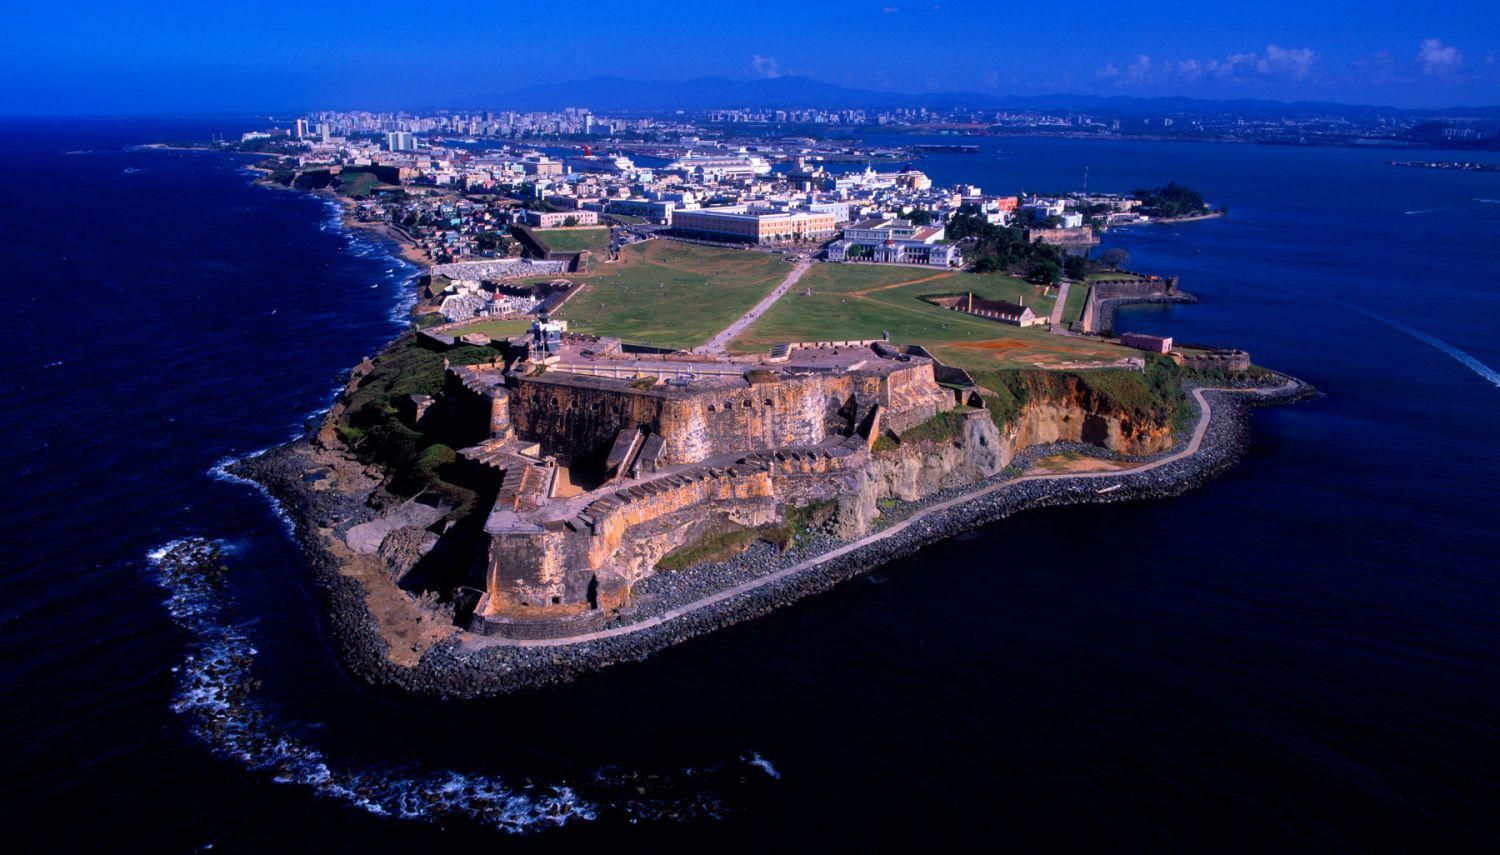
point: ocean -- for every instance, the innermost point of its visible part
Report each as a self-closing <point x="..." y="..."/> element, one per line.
<point x="1300" y="655"/>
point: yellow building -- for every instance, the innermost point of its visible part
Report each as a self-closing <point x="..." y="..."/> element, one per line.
<point x="737" y="223"/>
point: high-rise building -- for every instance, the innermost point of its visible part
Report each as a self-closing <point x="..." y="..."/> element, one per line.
<point x="400" y="141"/>
<point x="299" y="130"/>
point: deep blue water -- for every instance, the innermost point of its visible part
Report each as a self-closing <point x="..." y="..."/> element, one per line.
<point x="1302" y="654"/>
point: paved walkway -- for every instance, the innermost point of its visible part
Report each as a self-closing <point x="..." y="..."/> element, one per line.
<point x="1058" y="306"/>
<point x="1205" y="416"/>
<point x="726" y="335"/>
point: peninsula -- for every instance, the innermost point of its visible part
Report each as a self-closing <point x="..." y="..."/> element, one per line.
<point x="602" y="435"/>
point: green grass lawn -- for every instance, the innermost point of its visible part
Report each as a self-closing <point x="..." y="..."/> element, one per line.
<point x="863" y="301"/>
<point x="672" y="294"/>
<point x="593" y="239"/>
<point x="358" y="185"/>
<point x="1078" y="294"/>
<point x="494" y="328"/>
<point x="998" y="286"/>
<point x="860" y="278"/>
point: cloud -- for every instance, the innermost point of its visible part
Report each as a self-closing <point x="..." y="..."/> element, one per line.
<point x="1293" y="63"/>
<point x="1434" y="57"/>
<point x="1273" y="62"/>
<point x="889" y="10"/>
<point x="765" y="66"/>
<point x="1190" y="69"/>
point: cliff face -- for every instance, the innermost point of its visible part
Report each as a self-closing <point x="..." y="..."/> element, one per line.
<point x="1063" y="412"/>
<point x="918" y="469"/>
<point x="1073" y="412"/>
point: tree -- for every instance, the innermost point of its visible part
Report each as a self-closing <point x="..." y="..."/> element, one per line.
<point x="490" y="241"/>
<point x="1076" y="266"/>
<point x="570" y="221"/>
<point x="1044" y="271"/>
<point x="1114" y="258"/>
<point x="1173" y="200"/>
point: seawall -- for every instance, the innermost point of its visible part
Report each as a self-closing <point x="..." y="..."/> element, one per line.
<point x="1104" y="297"/>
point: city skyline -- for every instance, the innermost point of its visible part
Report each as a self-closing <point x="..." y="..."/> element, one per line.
<point x="168" y="57"/>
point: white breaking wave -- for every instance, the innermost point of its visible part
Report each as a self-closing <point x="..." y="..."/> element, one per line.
<point x="220" y="472"/>
<point x="764" y="765"/>
<point x="216" y="696"/>
<point x="1462" y="356"/>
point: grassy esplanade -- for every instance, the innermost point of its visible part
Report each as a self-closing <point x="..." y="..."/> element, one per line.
<point x="672" y="294"/>
<point x="595" y="239"/>
<point x="862" y="301"/>
<point x="495" y="328"/>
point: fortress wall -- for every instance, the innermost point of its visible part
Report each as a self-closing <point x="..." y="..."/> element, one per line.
<point x="731" y="420"/>
<point x="1093" y="317"/>
<point x="570" y="421"/>
<point x="533" y="568"/>
<point x="618" y="538"/>
<point x="815" y="478"/>
<point x="912" y="396"/>
<point x="706" y="490"/>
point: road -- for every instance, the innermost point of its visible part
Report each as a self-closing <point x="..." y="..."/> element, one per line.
<point x="726" y="335"/>
<point x="1059" y="305"/>
<point x="1205" y="416"/>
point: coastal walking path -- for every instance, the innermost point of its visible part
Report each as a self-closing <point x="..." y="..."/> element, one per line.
<point x="1205" y="417"/>
<point x="726" y="335"/>
<point x="1058" y="305"/>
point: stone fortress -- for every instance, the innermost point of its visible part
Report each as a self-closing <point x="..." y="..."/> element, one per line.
<point x="603" y="461"/>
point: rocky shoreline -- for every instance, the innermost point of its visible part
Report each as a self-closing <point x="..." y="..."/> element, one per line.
<point x="459" y="668"/>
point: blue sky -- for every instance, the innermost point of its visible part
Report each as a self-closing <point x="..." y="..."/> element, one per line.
<point x="161" y="56"/>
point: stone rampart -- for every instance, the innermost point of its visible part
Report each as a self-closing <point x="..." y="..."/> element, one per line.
<point x="479" y="405"/>
<point x="1106" y="295"/>
<point x="574" y="416"/>
<point x="577" y="561"/>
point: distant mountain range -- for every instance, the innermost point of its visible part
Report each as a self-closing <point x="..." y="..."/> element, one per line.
<point x="615" y="94"/>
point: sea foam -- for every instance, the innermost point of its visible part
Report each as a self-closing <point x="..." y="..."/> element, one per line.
<point x="216" y="695"/>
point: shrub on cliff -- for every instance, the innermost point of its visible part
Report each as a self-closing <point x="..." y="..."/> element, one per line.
<point x="712" y="548"/>
<point x="371" y="426"/>
<point x="1007" y="393"/>
<point x="943" y="427"/>
<point x="1155" y="395"/>
<point x="798" y="521"/>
